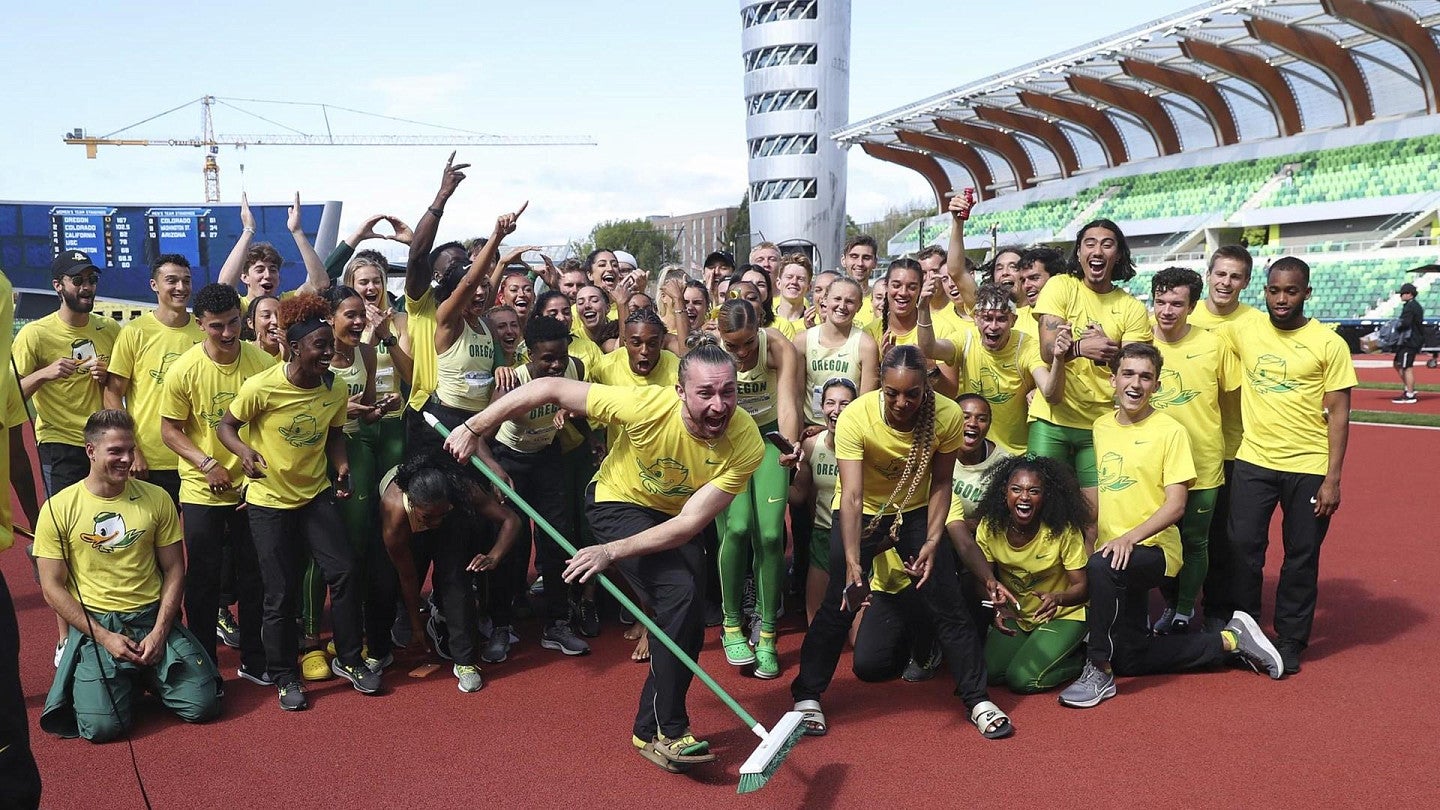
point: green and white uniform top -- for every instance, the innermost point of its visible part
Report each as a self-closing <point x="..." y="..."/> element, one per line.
<point x="353" y="378"/>
<point x="535" y="430"/>
<point x="824" y="471"/>
<point x="823" y="365"/>
<point x="757" y="388"/>
<point x="466" y="370"/>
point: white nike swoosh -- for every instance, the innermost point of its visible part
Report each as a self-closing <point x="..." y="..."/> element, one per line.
<point x="774" y="500"/>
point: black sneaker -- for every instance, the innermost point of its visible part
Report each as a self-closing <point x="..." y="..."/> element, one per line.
<point x="365" y="680"/>
<point x="1405" y="399"/>
<point x="919" y="671"/>
<point x="227" y="632"/>
<point x="559" y="636"/>
<point x="292" y="697"/>
<point x="537" y="588"/>
<point x="1289" y="655"/>
<point x="400" y="631"/>
<point x="497" y="649"/>
<point x="587" y="618"/>
<point x="714" y="616"/>
<point x="439" y="637"/>
<point x="259" y="679"/>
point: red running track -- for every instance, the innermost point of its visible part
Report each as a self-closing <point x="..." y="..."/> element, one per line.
<point x="1357" y="725"/>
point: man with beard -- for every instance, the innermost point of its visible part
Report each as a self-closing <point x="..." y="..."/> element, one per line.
<point x="1295" y="400"/>
<point x="1037" y="265"/>
<point x="858" y="261"/>
<point x="63" y="361"/>
<point x="144" y="352"/>
<point x="675" y="464"/>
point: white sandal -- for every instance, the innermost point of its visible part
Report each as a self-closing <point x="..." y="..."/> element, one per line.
<point x="992" y="723"/>
<point x="811" y="718"/>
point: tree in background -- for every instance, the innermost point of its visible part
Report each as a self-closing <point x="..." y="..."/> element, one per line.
<point x="737" y="235"/>
<point x="651" y="247"/>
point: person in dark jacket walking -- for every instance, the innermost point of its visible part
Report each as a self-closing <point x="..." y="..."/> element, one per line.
<point x="1412" y="327"/>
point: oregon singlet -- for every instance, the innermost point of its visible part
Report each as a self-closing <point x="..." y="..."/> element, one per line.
<point x="824" y="364"/>
<point x="387" y="378"/>
<point x="353" y="378"/>
<point x="824" y="471"/>
<point x="467" y="370"/>
<point x="534" y="430"/>
<point x="756" y="388"/>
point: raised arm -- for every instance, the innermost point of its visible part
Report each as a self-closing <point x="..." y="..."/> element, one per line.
<point x="934" y="348"/>
<point x="417" y="266"/>
<point x="471" y="436"/>
<point x="316" y="279"/>
<point x="955" y="259"/>
<point x="235" y="263"/>
<point x="449" y="316"/>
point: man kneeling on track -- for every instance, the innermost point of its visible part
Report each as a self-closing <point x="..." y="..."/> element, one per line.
<point x="111" y="565"/>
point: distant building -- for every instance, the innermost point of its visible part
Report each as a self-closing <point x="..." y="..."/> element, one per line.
<point x="697" y="235"/>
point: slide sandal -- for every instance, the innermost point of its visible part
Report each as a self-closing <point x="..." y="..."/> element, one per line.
<point x="992" y="723"/>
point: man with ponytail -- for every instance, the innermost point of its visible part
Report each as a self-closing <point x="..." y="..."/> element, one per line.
<point x="675" y="463"/>
<point x="896" y="451"/>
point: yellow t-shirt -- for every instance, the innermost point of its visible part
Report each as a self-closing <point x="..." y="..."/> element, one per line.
<point x="420" y="327"/>
<point x="861" y="434"/>
<point x="197" y="391"/>
<point x="1136" y="463"/>
<point x="947" y="321"/>
<point x="586" y="351"/>
<point x="1003" y="377"/>
<point x="654" y="461"/>
<point x="1231" y="421"/>
<point x="12" y="402"/>
<point x="787" y="327"/>
<point x="1035" y="568"/>
<point x="1088" y="394"/>
<point x="62" y="406"/>
<point x="109" y="543"/>
<point x="288" y="428"/>
<point x="1287" y="374"/>
<point x="1026" y="323"/>
<point x="144" y="352"/>
<point x="1198" y="369"/>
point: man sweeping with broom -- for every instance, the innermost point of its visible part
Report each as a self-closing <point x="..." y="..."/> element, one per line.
<point x="678" y="462"/>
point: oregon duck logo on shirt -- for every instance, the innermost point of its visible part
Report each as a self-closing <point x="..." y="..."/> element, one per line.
<point x="1112" y="473"/>
<point x="1171" y="391"/>
<point x="110" y="534"/>
<point x="82" y="350"/>
<point x="303" y="431"/>
<point x="988" y="386"/>
<point x="666" y="477"/>
<point x="218" y="402"/>
<point x="1270" y="375"/>
<point x="158" y="375"/>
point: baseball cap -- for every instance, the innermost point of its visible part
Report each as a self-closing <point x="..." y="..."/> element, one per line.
<point x="1407" y="289"/>
<point x="71" y="263"/>
<point x="626" y="258"/>
<point x="719" y="257"/>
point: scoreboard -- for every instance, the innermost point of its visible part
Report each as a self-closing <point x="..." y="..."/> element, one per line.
<point x="122" y="239"/>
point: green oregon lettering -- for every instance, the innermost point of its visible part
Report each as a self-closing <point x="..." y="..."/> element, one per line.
<point x="826" y="468"/>
<point x="830" y="364"/>
<point x="751" y="387"/>
<point x="481" y="350"/>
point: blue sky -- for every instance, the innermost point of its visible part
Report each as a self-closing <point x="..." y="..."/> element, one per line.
<point x="657" y="84"/>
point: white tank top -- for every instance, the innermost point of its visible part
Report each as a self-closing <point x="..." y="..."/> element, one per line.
<point x="823" y="364"/>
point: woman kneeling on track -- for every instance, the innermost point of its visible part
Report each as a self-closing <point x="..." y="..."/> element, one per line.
<point x="1028" y="552"/>
<point x="896" y="451"/>
<point x="430" y="500"/>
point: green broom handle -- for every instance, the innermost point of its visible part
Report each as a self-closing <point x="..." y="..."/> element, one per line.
<point x="614" y="590"/>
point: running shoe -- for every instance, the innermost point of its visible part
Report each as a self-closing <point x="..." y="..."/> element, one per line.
<point x="365" y="680"/>
<point x="587" y="618"/>
<point x="259" y="679"/>
<point x="497" y="649"/>
<point x="468" y="676"/>
<point x="378" y="665"/>
<point x="60" y="651"/>
<point x="1093" y="687"/>
<point x="537" y="588"/>
<point x="1405" y="399"/>
<point x="292" y="697"/>
<point x="1289" y="654"/>
<point x="918" y="671"/>
<point x="1252" y="645"/>
<point x="227" y="631"/>
<point x="439" y="637"/>
<point x="1161" y="627"/>
<point x="559" y="636"/>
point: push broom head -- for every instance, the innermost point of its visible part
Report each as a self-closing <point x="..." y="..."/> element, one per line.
<point x="774" y="747"/>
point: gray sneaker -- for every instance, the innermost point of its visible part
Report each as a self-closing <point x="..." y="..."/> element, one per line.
<point x="497" y="649"/>
<point x="469" y="676"/>
<point x="1093" y="687"/>
<point x="919" y="671"/>
<point x="365" y="680"/>
<point x="559" y="636"/>
<point x="378" y="665"/>
<point x="1253" y="646"/>
<point x="292" y="697"/>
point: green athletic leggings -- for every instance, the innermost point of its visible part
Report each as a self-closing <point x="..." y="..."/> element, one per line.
<point x="1195" y="548"/>
<point x="361" y="517"/>
<point x="755" y="520"/>
<point x="1038" y="660"/>
<point x="1074" y="447"/>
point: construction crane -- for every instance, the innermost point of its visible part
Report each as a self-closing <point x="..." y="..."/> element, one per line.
<point x="211" y="142"/>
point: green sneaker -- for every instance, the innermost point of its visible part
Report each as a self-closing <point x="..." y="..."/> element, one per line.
<point x="767" y="659"/>
<point x="737" y="647"/>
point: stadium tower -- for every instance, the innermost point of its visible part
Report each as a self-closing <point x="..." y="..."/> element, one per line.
<point x="797" y="90"/>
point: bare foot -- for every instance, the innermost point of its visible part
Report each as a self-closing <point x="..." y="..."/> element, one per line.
<point x="642" y="650"/>
<point x="634" y="631"/>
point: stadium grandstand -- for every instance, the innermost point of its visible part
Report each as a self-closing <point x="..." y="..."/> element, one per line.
<point x="1299" y="127"/>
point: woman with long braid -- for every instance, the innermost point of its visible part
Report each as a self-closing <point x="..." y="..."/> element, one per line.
<point x="899" y="321"/>
<point x="768" y="388"/>
<point x="896" y="453"/>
